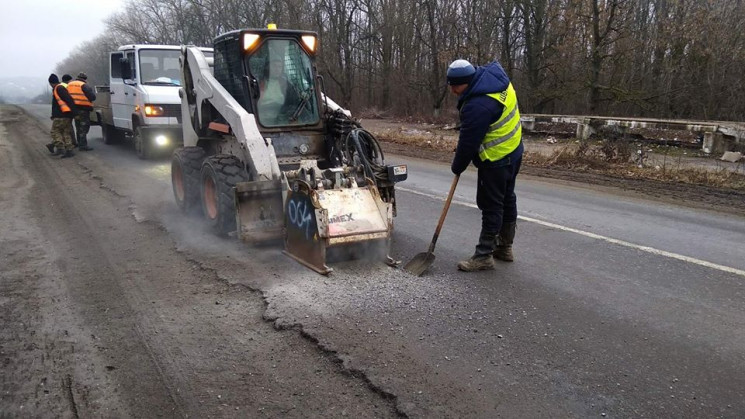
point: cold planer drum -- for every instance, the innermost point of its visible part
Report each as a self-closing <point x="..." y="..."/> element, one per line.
<point x="322" y="211"/>
<point x="317" y="220"/>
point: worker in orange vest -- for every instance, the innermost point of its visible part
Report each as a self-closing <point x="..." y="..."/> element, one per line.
<point x="66" y="78"/>
<point x="62" y="114"/>
<point x="84" y="96"/>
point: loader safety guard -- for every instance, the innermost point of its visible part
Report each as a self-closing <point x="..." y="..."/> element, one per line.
<point x="258" y="205"/>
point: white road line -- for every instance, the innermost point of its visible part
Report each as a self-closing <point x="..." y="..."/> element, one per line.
<point x="647" y="249"/>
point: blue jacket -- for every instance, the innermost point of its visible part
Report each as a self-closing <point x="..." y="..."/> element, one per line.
<point x="477" y="112"/>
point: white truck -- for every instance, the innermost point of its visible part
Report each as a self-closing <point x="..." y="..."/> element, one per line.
<point x="141" y="102"/>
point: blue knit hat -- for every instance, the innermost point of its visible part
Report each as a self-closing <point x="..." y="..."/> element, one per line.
<point x="460" y="72"/>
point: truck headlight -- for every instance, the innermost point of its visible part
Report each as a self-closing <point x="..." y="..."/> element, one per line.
<point x="154" y="110"/>
<point x="161" y="140"/>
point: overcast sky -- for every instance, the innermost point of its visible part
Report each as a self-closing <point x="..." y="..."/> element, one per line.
<point x="37" y="34"/>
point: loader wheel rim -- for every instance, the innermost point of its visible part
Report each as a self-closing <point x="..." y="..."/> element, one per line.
<point x="178" y="182"/>
<point x="210" y="198"/>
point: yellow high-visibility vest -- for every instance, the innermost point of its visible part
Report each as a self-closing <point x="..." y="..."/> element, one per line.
<point x="504" y="135"/>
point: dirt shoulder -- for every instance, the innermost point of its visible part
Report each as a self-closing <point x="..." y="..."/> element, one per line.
<point x="435" y="143"/>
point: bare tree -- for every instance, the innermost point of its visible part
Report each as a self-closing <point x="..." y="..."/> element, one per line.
<point x="667" y="58"/>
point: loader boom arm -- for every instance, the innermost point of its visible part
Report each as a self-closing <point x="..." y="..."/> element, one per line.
<point x="201" y="89"/>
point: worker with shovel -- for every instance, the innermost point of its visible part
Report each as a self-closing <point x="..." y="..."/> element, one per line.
<point x="491" y="138"/>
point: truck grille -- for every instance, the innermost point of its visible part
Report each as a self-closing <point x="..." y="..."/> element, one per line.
<point x="172" y="111"/>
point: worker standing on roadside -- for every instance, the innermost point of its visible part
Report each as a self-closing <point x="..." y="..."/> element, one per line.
<point x="62" y="114"/>
<point x="491" y="137"/>
<point x="84" y="96"/>
<point x="65" y="80"/>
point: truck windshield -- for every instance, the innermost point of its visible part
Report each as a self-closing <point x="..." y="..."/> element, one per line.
<point x="160" y="67"/>
<point x="286" y="90"/>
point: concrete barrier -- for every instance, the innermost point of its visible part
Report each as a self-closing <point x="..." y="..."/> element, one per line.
<point x="718" y="136"/>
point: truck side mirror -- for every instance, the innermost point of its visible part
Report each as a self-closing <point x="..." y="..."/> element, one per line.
<point x="126" y="69"/>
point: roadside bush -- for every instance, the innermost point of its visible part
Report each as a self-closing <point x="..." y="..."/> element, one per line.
<point x="584" y="146"/>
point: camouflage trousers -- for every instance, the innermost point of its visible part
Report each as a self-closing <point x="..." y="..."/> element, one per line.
<point x="82" y="126"/>
<point x="62" y="133"/>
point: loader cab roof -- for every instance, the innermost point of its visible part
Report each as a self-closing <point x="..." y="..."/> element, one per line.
<point x="263" y="32"/>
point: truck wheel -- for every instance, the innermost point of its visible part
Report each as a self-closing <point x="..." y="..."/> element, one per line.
<point x="142" y="145"/>
<point x="185" y="168"/>
<point x="110" y="134"/>
<point x="220" y="174"/>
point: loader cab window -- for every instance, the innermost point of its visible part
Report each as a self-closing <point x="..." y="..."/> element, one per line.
<point x="160" y="67"/>
<point x="284" y="74"/>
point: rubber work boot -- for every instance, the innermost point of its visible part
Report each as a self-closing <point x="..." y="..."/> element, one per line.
<point x="68" y="153"/>
<point x="50" y="147"/>
<point x="506" y="236"/>
<point x="482" y="259"/>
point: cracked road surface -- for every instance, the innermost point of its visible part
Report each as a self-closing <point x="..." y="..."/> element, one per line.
<point x="115" y="304"/>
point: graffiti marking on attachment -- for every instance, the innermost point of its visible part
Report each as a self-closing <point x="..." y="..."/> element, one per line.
<point x="300" y="216"/>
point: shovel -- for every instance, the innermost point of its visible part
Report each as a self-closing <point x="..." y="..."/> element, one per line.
<point x="422" y="261"/>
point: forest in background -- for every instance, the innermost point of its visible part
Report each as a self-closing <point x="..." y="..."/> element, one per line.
<point x="650" y="58"/>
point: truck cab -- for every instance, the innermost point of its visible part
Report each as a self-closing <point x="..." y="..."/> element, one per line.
<point x="144" y="101"/>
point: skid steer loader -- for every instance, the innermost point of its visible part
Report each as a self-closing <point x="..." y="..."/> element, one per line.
<point x="268" y="156"/>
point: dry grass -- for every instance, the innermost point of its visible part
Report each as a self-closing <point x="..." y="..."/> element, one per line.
<point x="418" y="139"/>
<point x="603" y="160"/>
<point x="609" y="157"/>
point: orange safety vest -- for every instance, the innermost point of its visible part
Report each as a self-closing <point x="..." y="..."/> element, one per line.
<point x="62" y="104"/>
<point x="78" y="96"/>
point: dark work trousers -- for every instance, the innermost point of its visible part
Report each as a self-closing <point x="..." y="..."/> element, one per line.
<point x="82" y="126"/>
<point x="495" y="195"/>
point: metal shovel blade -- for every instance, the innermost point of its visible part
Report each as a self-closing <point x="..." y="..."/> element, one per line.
<point x="420" y="263"/>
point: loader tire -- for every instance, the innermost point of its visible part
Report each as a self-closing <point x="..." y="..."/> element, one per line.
<point x="186" y="166"/>
<point x="220" y="174"/>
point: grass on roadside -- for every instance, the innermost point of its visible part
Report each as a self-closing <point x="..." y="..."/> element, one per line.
<point x="418" y="139"/>
<point x="618" y="160"/>
<point x="611" y="157"/>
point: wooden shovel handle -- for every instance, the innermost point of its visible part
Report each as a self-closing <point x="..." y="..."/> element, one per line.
<point x="444" y="213"/>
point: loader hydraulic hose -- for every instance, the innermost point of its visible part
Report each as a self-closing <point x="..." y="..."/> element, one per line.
<point x="370" y="154"/>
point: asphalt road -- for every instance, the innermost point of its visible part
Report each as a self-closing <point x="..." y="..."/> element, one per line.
<point x="616" y="306"/>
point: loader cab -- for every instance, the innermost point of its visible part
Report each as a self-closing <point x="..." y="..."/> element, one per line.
<point x="272" y="74"/>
